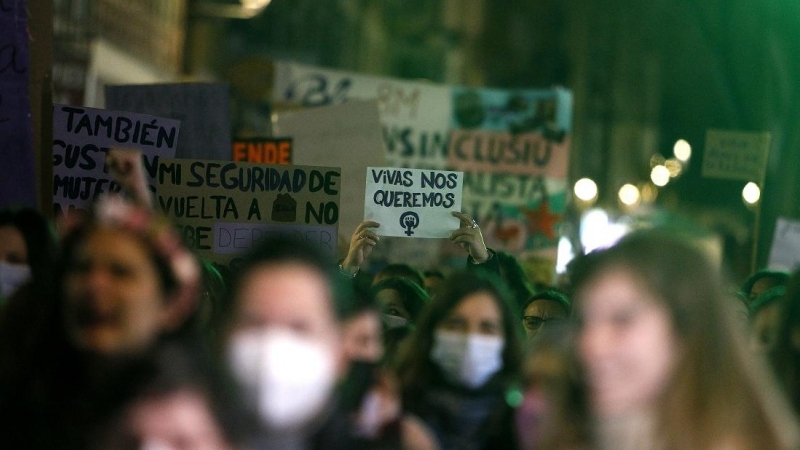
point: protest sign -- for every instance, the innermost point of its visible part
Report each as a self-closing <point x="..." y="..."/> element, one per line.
<point x="81" y="140"/>
<point x="502" y="152"/>
<point x="17" y="179"/>
<point x="785" y="252"/>
<point x="736" y="155"/>
<point x="514" y="148"/>
<point x="202" y="108"/>
<point x="346" y="135"/>
<point x="415" y="116"/>
<point x="413" y="202"/>
<point x="263" y="150"/>
<point x="225" y="208"/>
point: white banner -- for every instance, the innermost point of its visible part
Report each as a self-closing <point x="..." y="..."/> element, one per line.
<point x="415" y="116"/>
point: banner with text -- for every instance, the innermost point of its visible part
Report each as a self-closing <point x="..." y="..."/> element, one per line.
<point x="413" y="202"/>
<point x="264" y="150"/>
<point x="225" y="208"/>
<point x="202" y="108"/>
<point x="81" y="140"/>
<point x="415" y="116"/>
<point x="514" y="148"/>
<point x="17" y="175"/>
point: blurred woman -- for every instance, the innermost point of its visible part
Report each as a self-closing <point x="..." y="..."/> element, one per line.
<point x="459" y="363"/>
<point x="124" y="283"/>
<point x="785" y="354"/>
<point x="27" y="250"/>
<point x="400" y="300"/>
<point x="664" y="365"/>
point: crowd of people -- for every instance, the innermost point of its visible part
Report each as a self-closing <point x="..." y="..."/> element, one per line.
<point x="113" y="335"/>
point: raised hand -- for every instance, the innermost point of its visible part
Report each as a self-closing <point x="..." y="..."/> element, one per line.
<point x="468" y="235"/>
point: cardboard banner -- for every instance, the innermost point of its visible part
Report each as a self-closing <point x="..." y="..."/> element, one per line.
<point x="225" y="208"/>
<point x="202" y="109"/>
<point x="17" y="175"/>
<point x="785" y="252"/>
<point x="514" y="149"/>
<point x="263" y="150"/>
<point x="83" y="136"/>
<point x="736" y="155"/>
<point x="348" y="135"/>
<point x="501" y="152"/>
<point x="413" y="202"/>
<point x="415" y="116"/>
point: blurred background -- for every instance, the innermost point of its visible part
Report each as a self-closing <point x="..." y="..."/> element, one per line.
<point x="644" y="75"/>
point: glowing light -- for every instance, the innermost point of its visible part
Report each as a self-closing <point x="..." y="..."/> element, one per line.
<point x="659" y="175"/>
<point x="629" y="194"/>
<point x="598" y="230"/>
<point x="675" y="167"/>
<point x="751" y="193"/>
<point x="649" y="193"/>
<point x="585" y="189"/>
<point x="656" y="160"/>
<point x="564" y="255"/>
<point x="682" y="150"/>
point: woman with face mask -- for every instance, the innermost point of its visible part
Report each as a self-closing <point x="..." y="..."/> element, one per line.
<point x="460" y="362"/>
<point x="664" y="364"/>
<point x="27" y="251"/>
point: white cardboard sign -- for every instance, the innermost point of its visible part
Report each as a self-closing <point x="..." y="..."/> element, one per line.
<point x="413" y="202"/>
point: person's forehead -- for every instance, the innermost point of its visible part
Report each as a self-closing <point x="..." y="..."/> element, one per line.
<point x="287" y="287"/>
<point x="543" y="305"/>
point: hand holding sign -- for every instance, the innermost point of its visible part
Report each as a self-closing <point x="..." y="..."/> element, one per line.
<point x="126" y="168"/>
<point x="361" y="243"/>
<point x="470" y="238"/>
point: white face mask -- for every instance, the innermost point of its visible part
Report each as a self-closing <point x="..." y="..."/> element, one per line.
<point x="290" y="377"/>
<point x="393" y="322"/>
<point x="12" y="277"/>
<point x="468" y="359"/>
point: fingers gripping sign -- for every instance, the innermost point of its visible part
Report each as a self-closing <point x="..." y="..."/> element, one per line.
<point x="362" y="241"/>
<point x="126" y="168"/>
<point x="468" y="235"/>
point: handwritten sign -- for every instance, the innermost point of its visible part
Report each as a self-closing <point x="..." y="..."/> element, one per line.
<point x="224" y="208"/>
<point x="202" y="109"/>
<point x="785" y="252"/>
<point x="348" y="135"/>
<point x="414" y="115"/>
<point x="263" y="150"/>
<point x="17" y="176"/>
<point x="413" y="202"/>
<point x="503" y="152"/>
<point x="736" y="155"/>
<point x="81" y="140"/>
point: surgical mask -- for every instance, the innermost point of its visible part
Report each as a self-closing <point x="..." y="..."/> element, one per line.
<point x="468" y="359"/>
<point x="12" y="277"/>
<point x="289" y="377"/>
<point x="393" y="322"/>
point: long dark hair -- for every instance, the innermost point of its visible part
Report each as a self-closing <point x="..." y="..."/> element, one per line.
<point x="415" y="368"/>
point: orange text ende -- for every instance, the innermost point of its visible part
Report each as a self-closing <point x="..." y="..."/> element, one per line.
<point x="266" y="152"/>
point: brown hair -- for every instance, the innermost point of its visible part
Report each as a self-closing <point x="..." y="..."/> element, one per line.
<point x="416" y="368"/>
<point x="719" y="393"/>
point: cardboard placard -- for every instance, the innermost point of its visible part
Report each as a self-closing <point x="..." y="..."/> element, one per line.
<point x="81" y="140"/>
<point x="736" y="155"/>
<point x="264" y="150"/>
<point x="785" y="252"/>
<point x="415" y="116"/>
<point x="347" y="135"/>
<point x="202" y="108"/>
<point x="224" y="208"/>
<point x="413" y="202"/>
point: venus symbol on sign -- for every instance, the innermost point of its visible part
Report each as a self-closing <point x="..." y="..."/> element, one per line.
<point x="409" y="220"/>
